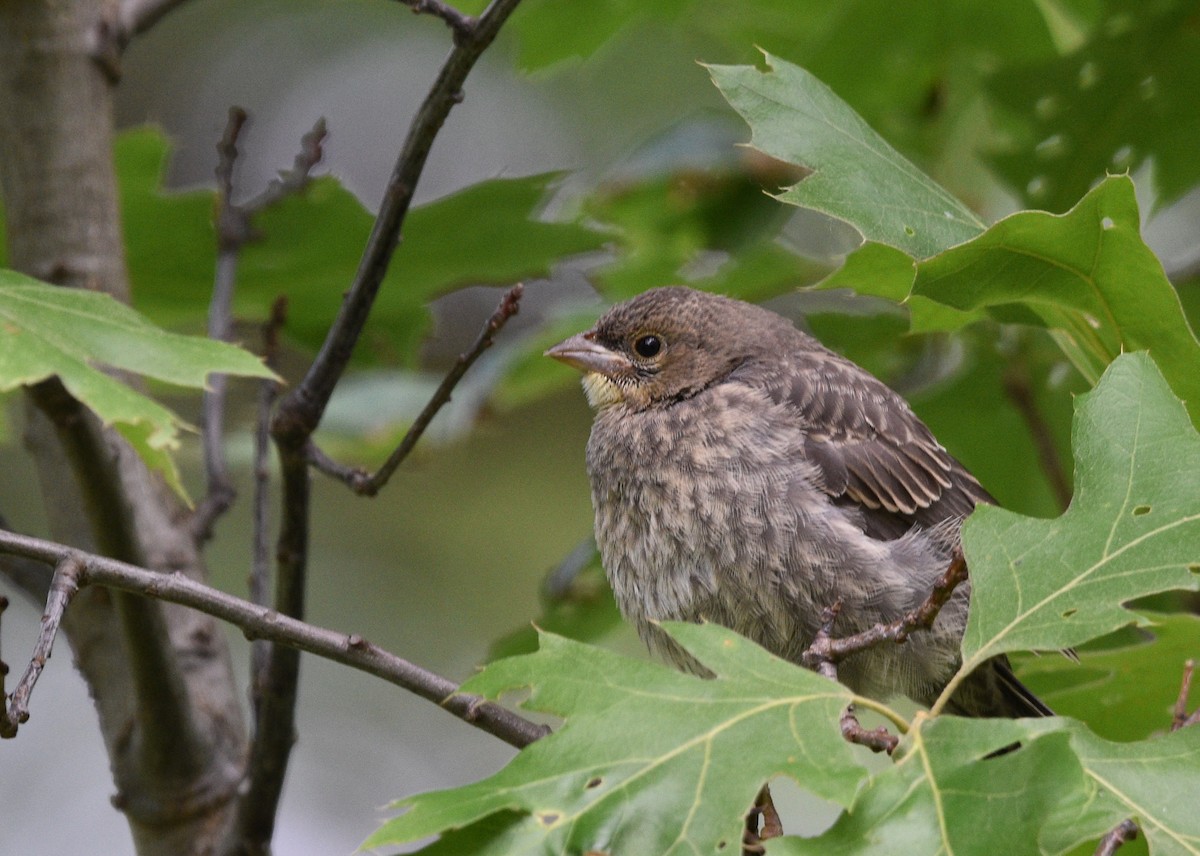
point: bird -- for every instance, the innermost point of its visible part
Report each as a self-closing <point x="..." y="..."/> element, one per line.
<point x="744" y="474"/>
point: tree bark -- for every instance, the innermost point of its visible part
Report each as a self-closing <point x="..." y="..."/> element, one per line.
<point x="160" y="675"/>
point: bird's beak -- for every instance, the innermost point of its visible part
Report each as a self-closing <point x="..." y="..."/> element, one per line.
<point x="582" y="352"/>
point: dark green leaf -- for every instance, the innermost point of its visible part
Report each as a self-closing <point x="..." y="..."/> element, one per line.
<point x="857" y="177"/>
<point x="1128" y="95"/>
<point x="1133" y="527"/>
<point x="486" y="234"/>
<point x="1086" y="274"/>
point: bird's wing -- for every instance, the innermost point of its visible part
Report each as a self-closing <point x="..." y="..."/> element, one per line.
<point x="870" y="447"/>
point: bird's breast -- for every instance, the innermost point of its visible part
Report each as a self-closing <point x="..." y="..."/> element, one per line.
<point x="697" y="509"/>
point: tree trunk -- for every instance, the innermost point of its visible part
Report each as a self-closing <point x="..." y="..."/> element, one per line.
<point x="161" y="677"/>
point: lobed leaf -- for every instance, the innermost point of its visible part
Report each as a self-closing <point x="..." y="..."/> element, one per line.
<point x="649" y="760"/>
<point x="1086" y="274"/>
<point x="47" y="331"/>
<point x="856" y="175"/>
<point x="1132" y="529"/>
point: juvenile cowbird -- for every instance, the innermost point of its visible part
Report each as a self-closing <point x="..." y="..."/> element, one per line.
<point x="743" y="473"/>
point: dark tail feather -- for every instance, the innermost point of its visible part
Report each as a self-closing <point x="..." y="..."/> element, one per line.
<point x="993" y="690"/>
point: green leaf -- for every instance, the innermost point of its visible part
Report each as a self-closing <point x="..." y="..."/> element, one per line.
<point x="1133" y="527"/>
<point x="1126" y="96"/>
<point x="649" y="760"/>
<point x="488" y="233"/>
<point x="1153" y="782"/>
<point x="1086" y="274"/>
<point x="1124" y="692"/>
<point x="49" y="331"/>
<point x="938" y="798"/>
<point x="856" y="176"/>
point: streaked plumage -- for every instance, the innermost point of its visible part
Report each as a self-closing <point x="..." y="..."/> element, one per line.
<point x="742" y="473"/>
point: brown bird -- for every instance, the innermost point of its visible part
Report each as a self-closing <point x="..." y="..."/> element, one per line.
<point x="745" y="474"/>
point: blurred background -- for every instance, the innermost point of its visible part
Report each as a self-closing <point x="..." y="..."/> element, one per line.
<point x="611" y="97"/>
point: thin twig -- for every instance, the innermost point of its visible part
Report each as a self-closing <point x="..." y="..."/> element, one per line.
<point x="260" y="570"/>
<point x="300" y="412"/>
<point x="1181" y="719"/>
<point x="1019" y="390"/>
<point x="827" y="650"/>
<point x="459" y="23"/>
<point x="369" y="485"/>
<point x="876" y="739"/>
<point x="1122" y="833"/>
<point x="235" y="228"/>
<point x="7" y="726"/>
<point x="63" y="588"/>
<point x="260" y="623"/>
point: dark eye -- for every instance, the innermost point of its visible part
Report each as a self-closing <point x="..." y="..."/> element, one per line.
<point x="647" y="346"/>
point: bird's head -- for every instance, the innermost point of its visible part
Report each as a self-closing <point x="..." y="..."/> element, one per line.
<point x="666" y="345"/>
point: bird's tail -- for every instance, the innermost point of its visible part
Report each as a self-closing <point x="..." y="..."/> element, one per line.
<point x="993" y="690"/>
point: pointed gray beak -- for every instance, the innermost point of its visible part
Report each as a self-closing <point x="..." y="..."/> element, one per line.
<point x="583" y="353"/>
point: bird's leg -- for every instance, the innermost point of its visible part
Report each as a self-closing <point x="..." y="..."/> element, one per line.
<point x="771" y="827"/>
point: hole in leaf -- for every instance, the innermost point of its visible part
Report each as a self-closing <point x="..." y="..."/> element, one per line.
<point x="594" y="782"/>
<point x="1194" y="567"/>
<point x="1069" y="612"/>
<point x="548" y="818"/>
<point x="1140" y="510"/>
<point x="1107" y="223"/>
<point x="721" y="845"/>
<point x="910" y="231"/>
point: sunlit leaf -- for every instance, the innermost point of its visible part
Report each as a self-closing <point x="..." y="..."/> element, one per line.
<point x="650" y="760"/>
<point x="47" y="331"/>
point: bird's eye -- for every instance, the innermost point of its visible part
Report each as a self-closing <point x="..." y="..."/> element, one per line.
<point x="647" y="346"/>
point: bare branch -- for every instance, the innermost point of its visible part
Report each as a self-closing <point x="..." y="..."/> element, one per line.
<point x="235" y="229"/>
<point x="826" y="650"/>
<point x="260" y="571"/>
<point x="1122" y="833"/>
<point x="300" y="412"/>
<point x="369" y="485"/>
<point x="63" y="588"/>
<point x="1019" y="390"/>
<point x="1180" y="719"/>
<point x="459" y="23"/>
<point x="876" y="739"/>
<point x="260" y="623"/>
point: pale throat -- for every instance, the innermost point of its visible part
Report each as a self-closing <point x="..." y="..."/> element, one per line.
<point x="600" y="391"/>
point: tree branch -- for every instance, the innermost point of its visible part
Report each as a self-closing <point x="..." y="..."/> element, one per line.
<point x="63" y="588"/>
<point x="826" y="651"/>
<point x="260" y="623"/>
<point x="366" y="484"/>
<point x="459" y="23"/>
<point x="260" y="570"/>
<point x="299" y="413"/>
<point x="1181" y="719"/>
<point x="235" y="229"/>
<point x="1020" y="392"/>
<point x="1122" y="833"/>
